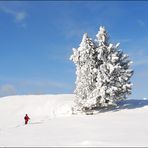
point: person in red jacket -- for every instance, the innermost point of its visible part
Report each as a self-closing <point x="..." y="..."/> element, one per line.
<point x="26" y="119"/>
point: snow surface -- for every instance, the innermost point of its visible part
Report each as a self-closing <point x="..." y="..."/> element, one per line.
<point x="52" y="123"/>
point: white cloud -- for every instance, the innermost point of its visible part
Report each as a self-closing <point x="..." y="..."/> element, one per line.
<point x="18" y="16"/>
<point x="141" y="23"/>
<point x="56" y="57"/>
<point x="124" y="40"/>
<point x="7" y="90"/>
<point x="139" y="57"/>
<point x="43" y="84"/>
<point x="141" y="62"/>
<point x="138" y="53"/>
<point x="43" y="87"/>
<point x="143" y="73"/>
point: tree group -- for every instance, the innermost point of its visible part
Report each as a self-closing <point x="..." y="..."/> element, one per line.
<point x="103" y="72"/>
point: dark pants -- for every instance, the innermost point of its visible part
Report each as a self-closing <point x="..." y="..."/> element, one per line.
<point x="26" y="121"/>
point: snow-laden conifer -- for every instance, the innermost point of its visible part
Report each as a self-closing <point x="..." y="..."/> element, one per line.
<point x="83" y="57"/>
<point x="103" y="72"/>
<point x="113" y="74"/>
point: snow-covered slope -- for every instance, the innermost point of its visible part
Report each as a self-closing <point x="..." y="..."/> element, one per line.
<point x="14" y="108"/>
<point x="52" y="123"/>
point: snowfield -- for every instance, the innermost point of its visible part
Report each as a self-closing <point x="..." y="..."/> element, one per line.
<point x="52" y="123"/>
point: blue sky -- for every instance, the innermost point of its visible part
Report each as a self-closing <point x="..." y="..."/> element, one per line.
<point x="36" y="41"/>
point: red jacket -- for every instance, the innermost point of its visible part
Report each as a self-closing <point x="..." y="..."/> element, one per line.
<point x="26" y="118"/>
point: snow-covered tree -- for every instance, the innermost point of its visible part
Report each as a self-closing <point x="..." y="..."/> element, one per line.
<point x="83" y="57"/>
<point x="103" y="72"/>
<point x="113" y="75"/>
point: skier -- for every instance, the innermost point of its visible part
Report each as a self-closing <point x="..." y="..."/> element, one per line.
<point x="26" y="119"/>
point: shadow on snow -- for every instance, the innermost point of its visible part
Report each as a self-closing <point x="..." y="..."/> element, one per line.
<point x="125" y="104"/>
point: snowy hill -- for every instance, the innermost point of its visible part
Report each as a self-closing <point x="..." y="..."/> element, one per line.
<point x="52" y="123"/>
